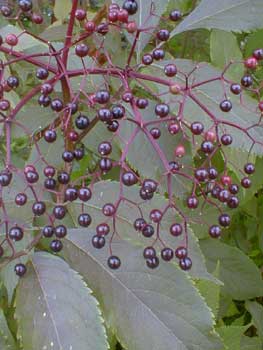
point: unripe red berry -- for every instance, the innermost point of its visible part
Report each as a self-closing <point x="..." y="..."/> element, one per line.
<point x="131" y="27"/>
<point x="179" y="151"/>
<point x="11" y="39"/>
<point x="80" y="14"/>
<point x="251" y="63"/>
<point x="90" y="26"/>
<point x="123" y="16"/>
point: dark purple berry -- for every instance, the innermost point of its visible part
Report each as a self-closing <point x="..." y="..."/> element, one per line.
<point x="201" y="174"/>
<point x="174" y="166"/>
<point x="50" y="136"/>
<point x="156" y="215"/>
<point x="176" y="229"/>
<point x="16" y="233"/>
<point x="12" y="82"/>
<point x="102" y="96"/>
<point x="197" y="128"/>
<point x="226" y="139"/>
<point x="5" y="178"/>
<point x="49" y="171"/>
<point x="21" y="199"/>
<point x="42" y="73"/>
<point x="207" y="147"/>
<point x="68" y="156"/>
<point x="44" y="100"/>
<point x="39" y="208"/>
<point x="50" y="183"/>
<point x="63" y="178"/>
<point x="167" y="254"/>
<point x="156" y="133"/>
<point x="233" y="188"/>
<point x="129" y="178"/>
<point x="147" y="59"/>
<point x="149" y="185"/>
<point x="175" y="15"/>
<point x="149" y="253"/>
<point x="78" y="153"/>
<point x="104" y="148"/>
<point x="82" y="122"/>
<point x="48" y="231"/>
<point x="105" y="165"/>
<point x="212" y="173"/>
<point x="215" y="231"/>
<point x="226" y="106"/>
<point x="130" y="6"/>
<point x="142" y="103"/>
<point x="84" y="220"/>
<point x="20" y="269"/>
<point x="56" y="245"/>
<point x="56" y="105"/>
<point x="148" y="230"/>
<point x="246" y="81"/>
<point x="158" y="54"/>
<point x="113" y="126"/>
<point x="233" y="202"/>
<point x="146" y="195"/>
<point x="246" y="182"/>
<point x="60" y="231"/>
<point x="59" y="212"/>
<point x="249" y="168"/>
<point x="185" y="263"/>
<point x="139" y="224"/>
<point x="108" y="209"/>
<point x="114" y="262"/>
<point x="163" y="35"/>
<point x="71" y="194"/>
<point x="32" y="177"/>
<point x="170" y="70"/>
<point x="224" y="220"/>
<point x="98" y="242"/>
<point x="152" y="263"/>
<point x="162" y="110"/>
<point x="103" y="229"/>
<point x="25" y="5"/>
<point x="192" y="202"/>
<point x="81" y="50"/>
<point x="235" y="89"/>
<point x="181" y="252"/>
<point x="84" y="194"/>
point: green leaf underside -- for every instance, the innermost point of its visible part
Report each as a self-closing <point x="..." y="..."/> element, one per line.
<point x="55" y="308"/>
<point x="154" y="310"/>
<point x="229" y="15"/>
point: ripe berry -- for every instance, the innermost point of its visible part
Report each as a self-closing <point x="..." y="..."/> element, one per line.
<point x="48" y="231"/>
<point x="114" y="262"/>
<point x="71" y="194"/>
<point x="246" y="182"/>
<point x="80" y="14"/>
<point x="105" y="165"/>
<point x="152" y="263"/>
<point x="84" y="220"/>
<point x="175" y="15"/>
<point x="207" y="147"/>
<point x="6" y="11"/>
<point x="56" y="245"/>
<point x="37" y="18"/>
<point x="98" y="242"/>
<point x="68" y="156"/>
<point x="260" y="106"/>
<point x="16" y="233"/>
<point x="145" y="195"/>
<point x="44" y="101"/>
<point x="192" y="202"/>
<point x="201" y="174"/>
<point x="102" y="96"/>
<point x="4" y="105"/>
<point x="170" y="70"/>
<point x="129" y="178"/>
<point x="139" y="224"/>
<point x="158" y="54"/>
<point x="233" y="202"/>
<point x="148" y="230"/>
<point x="5" y="178"/>
<point x="130" y="6"/>
<point x="90" y="26"/>
<point x="21" y="199"/>
<point x="233" y="188"/>
<point x="149" y="253"/>
<point x="63" y="178"/>
<point x="167" y="254"/>
<point x="50" y="183"/>
<point x="46" y="89"/>
<point x="81" y="50"/>
<point x="147" y="59"/>
<point x="12" y="82"/>
<point x="39" y="208"/>
<point x="25" y="5"/>
<point x="163" y="35"/>
<point x="84" y="194"/>
<point x="142" y="103"/>
<point x="79" y="153"/>
<point x="20" y="269"/>
<point x="226" y="139"/>
<point x="235" y="89"/>
<point x="174" y="167"/>
<point x="162" y="110"/>
<point x="173" y="128"/>
<point x="11" y="39"/>
<point x="103" y="229"/>
<point x="82" y="122"/>
<point x="149" y="185"/>
<point x="197" y="128"/>
<point x="73" y="136"/>
<point x="108" y="209"/>
<point x="156" y="215"/>
<point x="179" y="151"/>
<point x="56" y="105"/>
<point x="60" y="231"/>
<point x="185" y="263"/>
<point x="258" y="54"/>
<point x="251" y="63"/>
<point x="127" y="97"/>
<point x="28" y="168"/>
<point x="42" y="73"/>
<point x="212" y="173"/>
<point x="105" y="115"/>
<point x="224" y="220"/>
<point x="215" y="231"/>
<point x="123" y="15"/>
<point x="113" y="126"/>
<point x="246" y="81"/>
<point x="59" y="212"/>
<point x="226" y="106"/>
<point x="103" y="28"/>
<point x="249" y="168"/>
<point x="118" y="111"/>
<point x="50" y="136"/>
<point x="156" y="133"/>
<point x="181" y="252"/>
<point x="32" y="177"/>
<point x="176" y="230"/>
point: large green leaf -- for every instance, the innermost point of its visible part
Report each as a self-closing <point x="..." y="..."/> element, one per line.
<point x="230" y="15"/>
<point x="248" y="343"/>
<point x="7" y="341"/>
<point x="157" y="309"/>
<point x="224" y="48"/>
<point x="232" y="336"/>
<point x="235" y="268"/>
<point x="109" y="191"/>
<point x="55" y="308"/>
<point x="209" y="95"/>
<point x="256" y="311"/>
<point x="62" y="9"/>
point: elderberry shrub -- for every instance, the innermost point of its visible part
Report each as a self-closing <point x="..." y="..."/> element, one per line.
<point x="105" y="128"/>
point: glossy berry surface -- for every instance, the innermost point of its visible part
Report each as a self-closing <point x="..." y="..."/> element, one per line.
<point x="20" y="269"/>
<point x="114" y="262"/>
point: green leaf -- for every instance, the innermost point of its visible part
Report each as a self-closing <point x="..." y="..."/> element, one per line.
<point x="235" y="268"/>
<point x="256" y="311"/>
<point x="62" y="9"/>
<point x="7" y="341"/>
<point x="127" y="213"/>
<point x="55" y="308"/>
<point x="232" y="336"/>
<point x="223" y="49"/>
<point x="229" y="15"/>
<point x="145" y="20"/>
<point x="148" y="309"/>
<point x="248" y="343"/>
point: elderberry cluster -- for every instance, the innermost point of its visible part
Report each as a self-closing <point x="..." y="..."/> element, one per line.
<point x="75" y="114"/>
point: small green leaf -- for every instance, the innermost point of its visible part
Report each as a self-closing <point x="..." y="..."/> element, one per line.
<point x="55" y="308"/>
<point x="256" y="311"/>
<point x="232" y="336"/>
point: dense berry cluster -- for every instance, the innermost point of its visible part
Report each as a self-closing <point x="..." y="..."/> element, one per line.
<point x="76" y="113"/>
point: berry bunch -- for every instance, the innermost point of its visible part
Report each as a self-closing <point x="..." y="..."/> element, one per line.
<point x="75" y="114"/>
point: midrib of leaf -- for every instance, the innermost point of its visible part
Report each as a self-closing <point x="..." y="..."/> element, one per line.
<point x="129" y="291"/>
<point x="218" y="12"/>
<point x="51" y="315"/>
